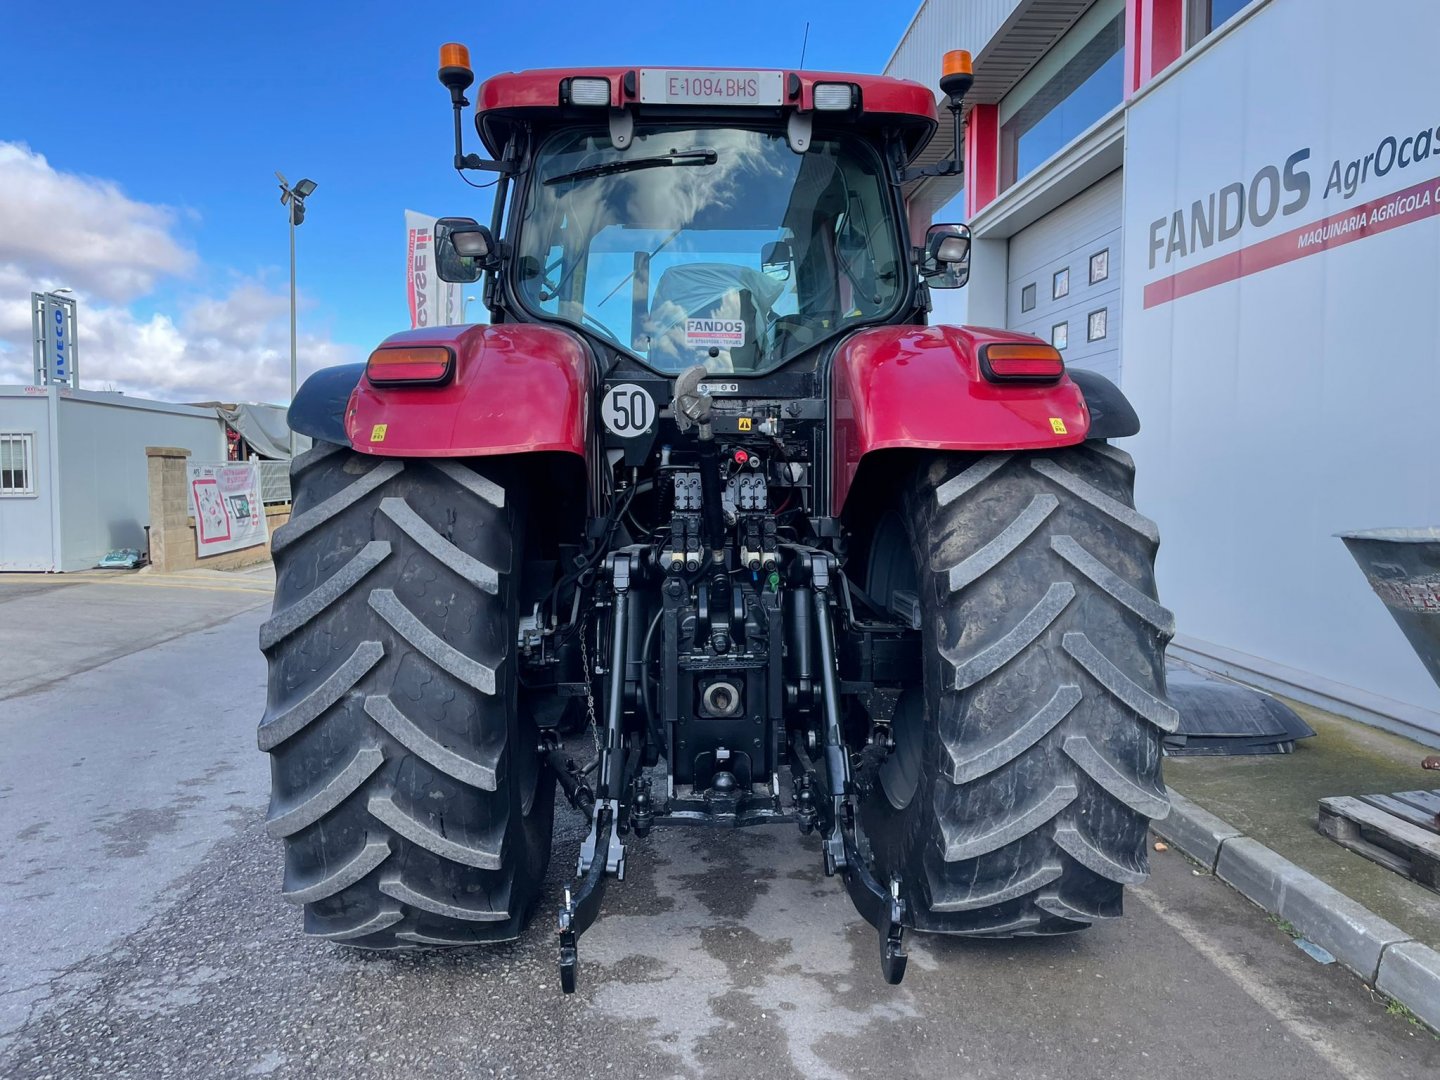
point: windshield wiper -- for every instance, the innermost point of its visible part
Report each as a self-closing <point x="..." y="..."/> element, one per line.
<point x="659" y="161"/>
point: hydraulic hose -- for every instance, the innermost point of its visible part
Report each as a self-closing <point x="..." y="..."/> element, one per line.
<point x="712" y="509"/>
<point x="651" y="716"/>
<point x="572" y="783"/>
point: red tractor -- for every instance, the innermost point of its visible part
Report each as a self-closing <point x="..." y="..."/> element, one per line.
<point x="709" y="485"/>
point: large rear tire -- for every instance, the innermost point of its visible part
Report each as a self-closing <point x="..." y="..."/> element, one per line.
<point x="1027" y="767"/>
<point x="406" y="782"/>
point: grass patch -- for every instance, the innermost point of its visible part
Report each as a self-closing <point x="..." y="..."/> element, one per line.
<point x="1394" y="1008"/>
<point x="1285" y="926"/>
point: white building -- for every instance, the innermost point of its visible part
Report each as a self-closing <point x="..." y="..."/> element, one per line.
<point x="73" y="474"/>
<point x="1231" y="209"/>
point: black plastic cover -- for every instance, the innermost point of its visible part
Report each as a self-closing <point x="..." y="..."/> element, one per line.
<point x="1111" y="415"/>
<point x="1218" y="717"/>
<point x="319" y="407"/>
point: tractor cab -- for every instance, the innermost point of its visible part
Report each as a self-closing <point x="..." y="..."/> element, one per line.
<point x="729" y="219"/>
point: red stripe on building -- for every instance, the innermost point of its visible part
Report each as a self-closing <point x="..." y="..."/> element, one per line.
<point x="1167" y="35"/>
<point x="1154" y="39"/>
<point x="982" y="158"/>
<point x="1404" y="207"/>
<point x="1136" y="12"/>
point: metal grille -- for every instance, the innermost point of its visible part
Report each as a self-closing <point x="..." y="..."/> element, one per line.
<point x="274" y="482"/>
<point x="17" y="463"/>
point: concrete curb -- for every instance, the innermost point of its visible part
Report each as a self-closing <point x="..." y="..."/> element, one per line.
<point x="1410" y="972"/>
<point x="1378" y="951"/>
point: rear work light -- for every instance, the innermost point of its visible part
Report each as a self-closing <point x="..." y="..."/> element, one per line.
<point x="588" y="91"/>
<point x="421" y="365"/>
<point x="1021" y="363"/>
<point x="834" y="96"/>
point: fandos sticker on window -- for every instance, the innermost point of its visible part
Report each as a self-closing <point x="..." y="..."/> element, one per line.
<point x="714" y="333"/>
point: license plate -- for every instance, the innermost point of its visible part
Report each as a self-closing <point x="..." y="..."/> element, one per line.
<point x="659" y="86"/>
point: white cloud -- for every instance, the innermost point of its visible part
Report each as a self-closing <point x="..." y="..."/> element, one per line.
<point x="61" y="229"/>
<point x="82" y="229"/>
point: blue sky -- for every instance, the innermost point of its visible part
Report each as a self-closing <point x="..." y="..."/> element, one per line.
<point x="189" y="108"/>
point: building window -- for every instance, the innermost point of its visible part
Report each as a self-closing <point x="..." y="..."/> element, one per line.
<point x="1086" y="79"/>
<point x="1097" y="326"/>
<point x="1208" y="15"/>
<point x="1060" y="335"/>
<point x="1099" y="266"/>
<point x="1060" y="286"/>
<point x="17" y="463"/>
<point x="1027" y="297"/>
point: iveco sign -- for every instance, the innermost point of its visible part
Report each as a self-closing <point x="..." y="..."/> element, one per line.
<point x="53" y="319"/>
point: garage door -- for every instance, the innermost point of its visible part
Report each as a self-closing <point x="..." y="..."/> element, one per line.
<point x="1065" y="278"/>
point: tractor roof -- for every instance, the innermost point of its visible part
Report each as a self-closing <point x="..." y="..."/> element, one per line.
<point x="544" y="96"/>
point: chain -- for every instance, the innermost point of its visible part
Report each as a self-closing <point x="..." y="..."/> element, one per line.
<point x="589" y="689"/>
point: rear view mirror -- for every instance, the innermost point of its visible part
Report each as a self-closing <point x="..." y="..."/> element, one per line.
<point x="945" y="263"/>
<point x="775" y="260"/>
<point x="463" y="249"/>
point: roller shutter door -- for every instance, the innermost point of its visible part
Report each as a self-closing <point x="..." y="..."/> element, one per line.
<point x="1073" y="251"/>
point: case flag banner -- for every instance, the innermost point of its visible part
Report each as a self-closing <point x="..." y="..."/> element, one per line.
<point x="225" y="499"/>
<point x="432" y="302"/>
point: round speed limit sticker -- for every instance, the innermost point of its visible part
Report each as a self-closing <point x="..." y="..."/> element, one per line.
<point x="627" y="410"/>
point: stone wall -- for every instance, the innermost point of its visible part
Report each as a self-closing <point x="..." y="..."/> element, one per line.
<point x="172" y="528"/>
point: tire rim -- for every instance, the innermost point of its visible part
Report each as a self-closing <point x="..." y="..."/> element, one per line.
<point x="900" y="775"/>
<point x="891" y="568"/>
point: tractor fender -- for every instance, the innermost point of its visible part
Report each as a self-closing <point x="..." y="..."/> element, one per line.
<point x="920" y="388"/>
<point x="517" y="388"/>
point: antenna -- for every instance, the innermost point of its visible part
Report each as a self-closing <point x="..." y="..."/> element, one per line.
<point x="804" y="43"/>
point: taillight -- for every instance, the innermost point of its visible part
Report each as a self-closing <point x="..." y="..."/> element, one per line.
<point x="1021" y="363"/>
<point x="423" y="364"/>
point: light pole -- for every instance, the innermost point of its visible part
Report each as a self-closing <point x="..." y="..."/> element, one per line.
<point x="465" y="309"/>
<point x="294" y="198"/>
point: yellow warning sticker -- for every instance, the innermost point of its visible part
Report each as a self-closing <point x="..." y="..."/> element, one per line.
<point x="1058" y="426"/>
<point x="744" y="423"/>
<point x="377" y="433"/>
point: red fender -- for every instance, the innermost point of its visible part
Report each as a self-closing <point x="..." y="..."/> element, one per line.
<point x="920" y="388"/>
<point x="518" y="388"/>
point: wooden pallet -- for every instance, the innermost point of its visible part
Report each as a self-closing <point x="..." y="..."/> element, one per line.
<point x="1399" y="831"/>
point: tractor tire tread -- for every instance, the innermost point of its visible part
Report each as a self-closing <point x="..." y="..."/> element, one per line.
<point x="1045" y="695"/>
<point x="404" y="786"/>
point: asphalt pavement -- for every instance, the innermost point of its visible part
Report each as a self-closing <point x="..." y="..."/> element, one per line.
<point x="142" y="933"/>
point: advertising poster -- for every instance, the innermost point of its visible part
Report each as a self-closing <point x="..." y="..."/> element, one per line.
<point x="225" y="500"/>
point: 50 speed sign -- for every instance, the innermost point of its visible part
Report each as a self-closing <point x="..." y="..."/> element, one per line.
<point x="627" y="410"/>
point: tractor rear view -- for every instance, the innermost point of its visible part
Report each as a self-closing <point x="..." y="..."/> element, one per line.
<point x="709" y="485"/>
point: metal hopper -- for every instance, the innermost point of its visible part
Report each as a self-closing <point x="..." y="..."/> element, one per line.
<point x="1403" y="567"/>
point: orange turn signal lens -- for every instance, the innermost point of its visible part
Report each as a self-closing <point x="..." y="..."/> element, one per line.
<point x="428" y="364"/>
<point x="1021" y="363"/>
<point x="957" y="62"/>
<point x="454" y="55"/>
